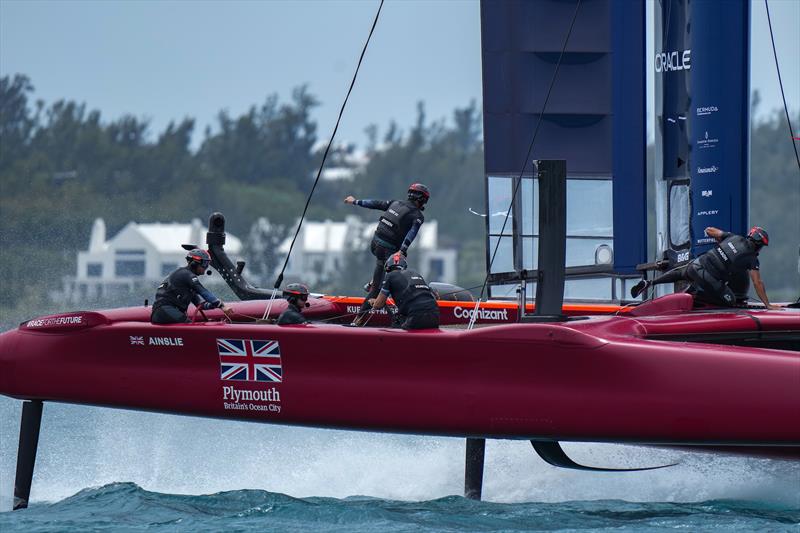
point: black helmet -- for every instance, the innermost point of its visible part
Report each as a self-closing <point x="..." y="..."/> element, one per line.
<point x="418" y="192"/>
<point x="396" y="261"/>
<point x="198" y="257"/>
<point x="759" y="235"/>
<point x="296" y="291"/>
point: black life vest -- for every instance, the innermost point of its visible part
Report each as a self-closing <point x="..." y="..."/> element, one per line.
<point x="735" y="254"/>
<point x="176" y="290"/>
<point x="291" y="315"/>
<point x="415" y="296"/>
<point x="396" y="222"/>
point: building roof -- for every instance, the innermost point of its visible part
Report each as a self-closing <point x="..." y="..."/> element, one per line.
<point x="330" y="236"/>
<point x="168" y="237"/>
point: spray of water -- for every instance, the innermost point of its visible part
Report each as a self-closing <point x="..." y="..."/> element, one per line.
<point x="83" y="447"/>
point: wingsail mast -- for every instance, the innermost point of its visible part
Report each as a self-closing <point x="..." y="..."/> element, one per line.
<point x="538" y="63"/>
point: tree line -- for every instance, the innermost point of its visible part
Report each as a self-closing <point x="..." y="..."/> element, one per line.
<point x="775" y="200"/>
<point x="62" y="165"/>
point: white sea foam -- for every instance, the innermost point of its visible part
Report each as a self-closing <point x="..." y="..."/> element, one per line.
<point x="84" y="446"/>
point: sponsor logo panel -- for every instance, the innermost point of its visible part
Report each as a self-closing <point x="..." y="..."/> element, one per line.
<point x="249" y="360"/>
<point x="673" y="61"/>
<point x="708" y="212"/>
<point x="483" y="314"/>
<point x="354" y="309"/>
<point x="251" y="400"/>
<point x="55" y="321"/>
<point x="703" y="111"/>
<point x="143" y="340"/>
<point x="707" y="141"/>
<point x="708" y="170"/>
<point x="245" y="363"/>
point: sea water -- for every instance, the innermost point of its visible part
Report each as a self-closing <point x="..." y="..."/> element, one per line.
<point x="114" y="470"/>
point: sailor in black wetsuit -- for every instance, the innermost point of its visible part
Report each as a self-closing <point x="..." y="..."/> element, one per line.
<point x="181" y="288"/>
<point x="721" y="273"/>
<point x="297" y="296"/>
<point x="397" y="228"/>
<point x="412" y="296"/>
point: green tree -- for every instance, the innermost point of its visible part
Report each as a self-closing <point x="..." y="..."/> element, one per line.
<point x="63" y="165"/>
<point x="449" y="160"/>
<point x="774" y="201"/>
<point x="16" y="122"/>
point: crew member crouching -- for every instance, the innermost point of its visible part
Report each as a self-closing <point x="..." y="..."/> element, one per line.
<point x="412" y="295"/>
<point x="719" y="276"/>
<point x="297" y="296"/>
<point x="181" y="288"/>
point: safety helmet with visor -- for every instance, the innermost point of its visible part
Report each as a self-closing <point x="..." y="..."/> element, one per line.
<point x="198" y="257"/>
<point x="396" y="261"/>
<point x="296" y="292"/>
<point x="759" y="236"/>
<point x="417" y="192"/>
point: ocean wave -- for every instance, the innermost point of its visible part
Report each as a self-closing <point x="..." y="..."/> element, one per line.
<point x="128" y="507"/>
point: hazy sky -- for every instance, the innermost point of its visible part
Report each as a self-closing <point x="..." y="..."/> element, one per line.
<point x="166" y="60"/>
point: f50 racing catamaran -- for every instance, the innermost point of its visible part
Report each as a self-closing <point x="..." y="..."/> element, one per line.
<point x="661" y="373"/>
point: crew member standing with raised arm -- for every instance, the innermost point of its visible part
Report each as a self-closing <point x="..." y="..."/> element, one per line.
<point x="397" y="228"/>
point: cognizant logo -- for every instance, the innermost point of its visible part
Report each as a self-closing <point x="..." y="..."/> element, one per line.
<point x="674" y="61"/>
<point x="483" y="314"/>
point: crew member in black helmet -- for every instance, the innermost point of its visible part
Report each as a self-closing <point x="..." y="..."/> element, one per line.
<point x="297" y="296"/>
<point x="397" y="228"/>
<point x="412" y="296"/>
<point x="181" y="288"/>
<point x="721" y="273"/>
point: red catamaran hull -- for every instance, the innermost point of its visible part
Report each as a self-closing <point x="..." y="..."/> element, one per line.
<point x="600" y="379"/>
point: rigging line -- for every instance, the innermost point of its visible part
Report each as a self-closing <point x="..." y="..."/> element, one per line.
<point x="780" y="82"/>
<point x="330" y="142"/>
<point x="279" y="279"/>
<point x="268" y="308"/>
<point x="524" y="164"/>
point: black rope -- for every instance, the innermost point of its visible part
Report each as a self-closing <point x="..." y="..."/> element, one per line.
<point x="528" y="155"/>
<point x="780" y="82"/>
<point x="279" y="280"/>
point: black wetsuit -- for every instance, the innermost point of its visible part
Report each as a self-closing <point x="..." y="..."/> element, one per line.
<point x="291" y="315"/>
<point x="397" y="228"/>
<point x="174" y="295"/>
<point x="413" y="298"/>
<point x="720" y="273"/>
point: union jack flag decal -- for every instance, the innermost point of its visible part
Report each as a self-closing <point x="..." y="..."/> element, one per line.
<point x="249" y="360"/>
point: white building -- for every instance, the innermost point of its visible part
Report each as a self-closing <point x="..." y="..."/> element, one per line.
<point x="140" y="255"/>
<point x="322" y="247"/>
<point x="343" y="163"/>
